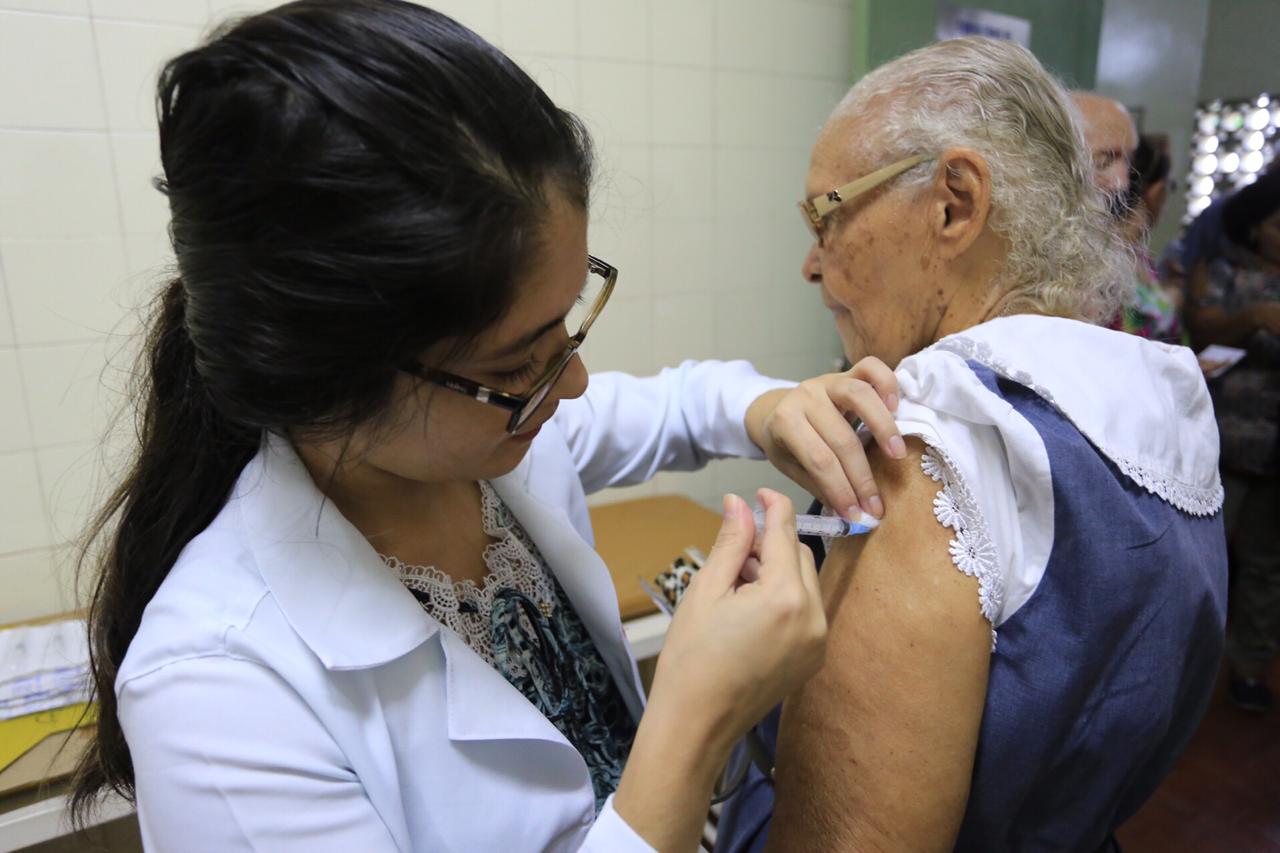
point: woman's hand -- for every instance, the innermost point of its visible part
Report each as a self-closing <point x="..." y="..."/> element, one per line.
<point x="749" y="631"/>
<point x="806" y="433"/>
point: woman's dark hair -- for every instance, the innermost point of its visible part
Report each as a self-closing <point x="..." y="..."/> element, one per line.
<point x="350" y="183"/>
<point x="1245" y="211"/>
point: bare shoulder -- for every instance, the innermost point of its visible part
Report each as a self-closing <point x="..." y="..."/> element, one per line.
<point x="904" y="569"/>
<point x="877" y="750"/>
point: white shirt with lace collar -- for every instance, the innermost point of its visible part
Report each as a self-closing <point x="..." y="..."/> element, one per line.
<point x="1144" y="405"/>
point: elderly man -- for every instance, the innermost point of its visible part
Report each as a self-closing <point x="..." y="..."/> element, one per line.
<point x="1023" y="648"/>
<point x="1112" y="138"/>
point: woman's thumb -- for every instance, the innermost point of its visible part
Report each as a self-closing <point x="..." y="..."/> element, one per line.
<point x="733" y="544"/>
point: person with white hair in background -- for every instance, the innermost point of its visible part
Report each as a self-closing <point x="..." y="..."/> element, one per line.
<point x="1021" y="651"/>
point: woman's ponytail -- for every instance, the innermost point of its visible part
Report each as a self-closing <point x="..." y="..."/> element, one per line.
<point x="187" y="461"/>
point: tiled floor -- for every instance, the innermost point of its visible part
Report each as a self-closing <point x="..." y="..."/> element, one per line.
<point x="1225" y="793"/>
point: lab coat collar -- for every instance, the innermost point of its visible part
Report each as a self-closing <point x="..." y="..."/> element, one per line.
<point x="332" y="587"/>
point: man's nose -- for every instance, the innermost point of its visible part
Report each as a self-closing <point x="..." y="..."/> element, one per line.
<point x="811" y="268"/>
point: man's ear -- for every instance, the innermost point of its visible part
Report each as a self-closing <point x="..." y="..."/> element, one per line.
<point x="962" y="199"/>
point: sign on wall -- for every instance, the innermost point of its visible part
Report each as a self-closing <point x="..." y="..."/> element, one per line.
<point x="959" y="21"/>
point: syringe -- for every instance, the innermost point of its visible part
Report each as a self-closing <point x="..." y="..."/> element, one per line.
<point x="827" y="525"/>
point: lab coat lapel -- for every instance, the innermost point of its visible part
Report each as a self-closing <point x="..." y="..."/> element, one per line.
<point x="581" y="573"/>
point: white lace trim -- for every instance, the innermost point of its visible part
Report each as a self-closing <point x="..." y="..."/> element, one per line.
<point x="971" y="548"/>
<point x="513" y="562"/>
<point x="1192" y="499"/>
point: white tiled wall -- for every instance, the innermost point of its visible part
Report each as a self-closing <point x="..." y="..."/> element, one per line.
<point x="703" y="111"/>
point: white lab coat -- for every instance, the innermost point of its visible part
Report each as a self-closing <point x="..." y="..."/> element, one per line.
<point x="285" y="692"/>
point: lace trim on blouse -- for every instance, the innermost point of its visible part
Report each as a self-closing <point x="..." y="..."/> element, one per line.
<point x="971" y="548"/>
<point x="463" y="605"/>
<point x="1190" y="498"/>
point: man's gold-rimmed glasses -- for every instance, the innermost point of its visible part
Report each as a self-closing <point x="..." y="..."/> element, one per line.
<point x="601" y="278"/>
<point x="816" y="209"/>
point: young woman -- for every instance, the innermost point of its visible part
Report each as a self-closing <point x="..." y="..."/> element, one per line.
<point x="348" y="599"/>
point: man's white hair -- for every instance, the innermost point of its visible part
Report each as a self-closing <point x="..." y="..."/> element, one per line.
<point x="1066" y="257"/>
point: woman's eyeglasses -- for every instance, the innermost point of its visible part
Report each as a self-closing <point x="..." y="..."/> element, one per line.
<point x="601" y="278"/>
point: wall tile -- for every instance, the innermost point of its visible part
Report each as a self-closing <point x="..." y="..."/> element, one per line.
<point x="548" y="26"/>
<point x="629" y="247"/>
<point x="15" y="432"/>
<point x="6" y="321"/>
<point x="623" y="190"/>
<point x="683" y="32"/>
<point x="746" y="34"/>
<point x="56" y="185"/>
<point x="745" y="255"/>
<point x="622" y="339"/>
<point x="66" y="391"/>
<point x="616" y="101"/>
<point x="151" y="260"/>
<point x="684" y="183"/>
<point x="137" y="160"/>
<point x="64" y="290"/>
<point x="743" y="476"/>
<point x="754" y="183"/>
<point x="69" y="476"/>
<point x="614" y="29"/>
<point x="221" y="10"/>
<point x="682" y="106"/>
<point x="682" y="328"/>
<point x="815" y="40"/>
<point x="193" y="12"/>
<point x="699" y="485"/>
<point x="684" y="257"/>
<point x="61" y="7"/>
<point x="480" y="16"/>
<point x="59" y="53"/>
<point x="130" y="57"/>
<point x="35" y="585"/>
<point x="752" y="108"/>
<point x="22" y="519"/>
<point x="558" y="77"/>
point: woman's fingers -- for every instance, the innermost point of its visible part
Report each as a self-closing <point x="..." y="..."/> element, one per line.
<point x="732" y="549"/>
<point x="865" y="399"/>
<point x="820" y="464"/>
<point x="835" y="432"/>
<point x="876" y="373"/>
<point x="809" y="573"/>
<point x="778" y="541"/>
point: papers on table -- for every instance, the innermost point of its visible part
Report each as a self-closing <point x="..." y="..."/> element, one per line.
<point x="1216" y="359"/>
<point x="43" y="667"/>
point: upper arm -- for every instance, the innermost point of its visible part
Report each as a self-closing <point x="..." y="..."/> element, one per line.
<point x="228" y="757"/>
<point x="876" y="752"/>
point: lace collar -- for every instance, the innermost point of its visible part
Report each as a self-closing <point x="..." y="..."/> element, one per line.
<point x="1143" y="404"/>
<point x="465" y="606"/>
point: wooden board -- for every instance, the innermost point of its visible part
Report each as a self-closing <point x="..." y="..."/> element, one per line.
<point x="639" y="538"/>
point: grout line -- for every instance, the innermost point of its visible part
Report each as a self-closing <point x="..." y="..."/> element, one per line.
<point x="110" y="19"/>
<point x="111" y="149"/>
<point x="24" y="552"/>
<point x="82" y="131"/>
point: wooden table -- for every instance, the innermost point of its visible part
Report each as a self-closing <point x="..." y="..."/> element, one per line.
<point x="639" y="538"/>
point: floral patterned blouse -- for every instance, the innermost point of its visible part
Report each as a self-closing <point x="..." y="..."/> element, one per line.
<point x="522" y="623"/>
